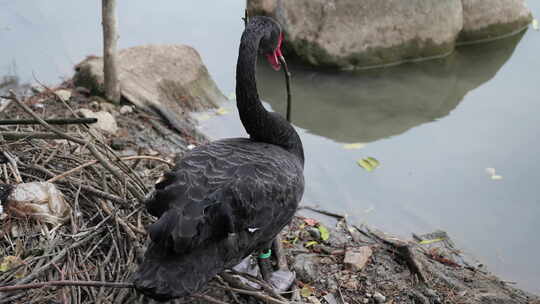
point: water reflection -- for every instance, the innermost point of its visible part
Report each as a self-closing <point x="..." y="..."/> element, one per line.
<point x="364" y="106"/>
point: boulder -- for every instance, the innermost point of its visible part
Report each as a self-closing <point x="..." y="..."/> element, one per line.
<point x="352" y="34"/>
<point x="169" y="79"/>
<point x="362" y="107"/>
<point x="488" y="19"/>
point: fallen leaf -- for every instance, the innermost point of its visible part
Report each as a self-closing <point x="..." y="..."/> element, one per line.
<point x="426" y="242"/>
<point x="306" y="291"/>
<point x="310" y="243"/>
<point x="325" y="235"/>
<point x="9" y="262"/>
<point x="373" y="162"/>
<point x="222" y="111"/>
<point x="353" y="146"/>
<point x="310" y="221"/>
<point x="369" y="164"/>
<point x="365" y="164"/>
<point x="490" y="171"/>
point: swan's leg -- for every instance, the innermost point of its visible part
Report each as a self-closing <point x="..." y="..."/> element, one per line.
<point x="282" y="278"/>
<point x="265" y="262"/>
<point x="232" y="236"/>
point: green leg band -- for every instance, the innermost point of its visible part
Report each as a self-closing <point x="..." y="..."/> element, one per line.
<point x="266" y="255"/>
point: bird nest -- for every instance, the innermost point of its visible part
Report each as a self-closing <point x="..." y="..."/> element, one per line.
<point x="87" y="230"/>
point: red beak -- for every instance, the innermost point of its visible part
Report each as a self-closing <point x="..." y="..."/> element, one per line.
<point x="273" y="58"/>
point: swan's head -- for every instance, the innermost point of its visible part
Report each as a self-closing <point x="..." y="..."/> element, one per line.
<point x="271" y="42"/>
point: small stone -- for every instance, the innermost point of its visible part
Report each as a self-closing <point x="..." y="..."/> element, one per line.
<point x="191" y="146"/>
<point x="118" y="144"/>
<point x="315" y="233"/>
<point x="314" y="300"/>
<point x="126" y="109"/>
<point x="82" y="90"/>
<point x="305" y="266"/>
<point x="337" y="239"/>
<point x="107" y="107"/>
<point x="332" y="285"/>
<point x="330" y="298"/>
<point x="37" y="89"/>
<point x="357" y="258"/>
<point x="65" y="95"/>
<point x="379" y="298"/>
<point x="365" y="300"/>
<point x="106" y="121"/>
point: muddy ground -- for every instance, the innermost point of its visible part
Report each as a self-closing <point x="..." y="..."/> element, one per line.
<point x="335" y="262"/>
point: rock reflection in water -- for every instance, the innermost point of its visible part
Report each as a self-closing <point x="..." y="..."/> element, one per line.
<point x="364" y="106"/>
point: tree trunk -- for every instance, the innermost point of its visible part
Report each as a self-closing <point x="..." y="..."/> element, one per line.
<point x="110" y="62"/>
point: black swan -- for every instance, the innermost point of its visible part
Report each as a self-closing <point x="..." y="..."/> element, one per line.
<point x="228" y="198"/>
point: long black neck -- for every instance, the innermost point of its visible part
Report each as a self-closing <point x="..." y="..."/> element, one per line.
<point x="259" y="123"/>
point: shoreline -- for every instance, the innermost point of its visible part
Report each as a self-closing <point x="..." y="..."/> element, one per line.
<point x="353" y="264"/>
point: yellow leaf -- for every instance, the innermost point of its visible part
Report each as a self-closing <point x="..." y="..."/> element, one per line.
<point x="310" y="243"/>
<point x="9" y="262"/>
<point x="222" y="111"/>
<point x="353" y="146"/>
<point x="425" y="242"/>
<point x="536" y="25"/>
<point x="306" y="291"/>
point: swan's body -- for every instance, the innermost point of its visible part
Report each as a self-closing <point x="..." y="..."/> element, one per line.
<point x="228" y="198"/>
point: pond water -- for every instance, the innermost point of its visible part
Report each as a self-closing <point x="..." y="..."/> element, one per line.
<point x="435" y="126"/>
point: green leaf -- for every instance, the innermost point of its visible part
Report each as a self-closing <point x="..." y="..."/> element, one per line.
<point x="373" y="162"/>
<point x="310" y="243"/>
<point x="325" y="235"/>
<point x="369" y="164"/>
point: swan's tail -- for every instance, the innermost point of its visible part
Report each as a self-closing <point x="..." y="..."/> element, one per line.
<point x="164" y="275"/>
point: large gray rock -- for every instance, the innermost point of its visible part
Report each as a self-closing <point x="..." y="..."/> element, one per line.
<point x="362" y="107"/>
<point x="488" y="19"/>
<point x="351" y="33"/>
<point x="169" y="79"/>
